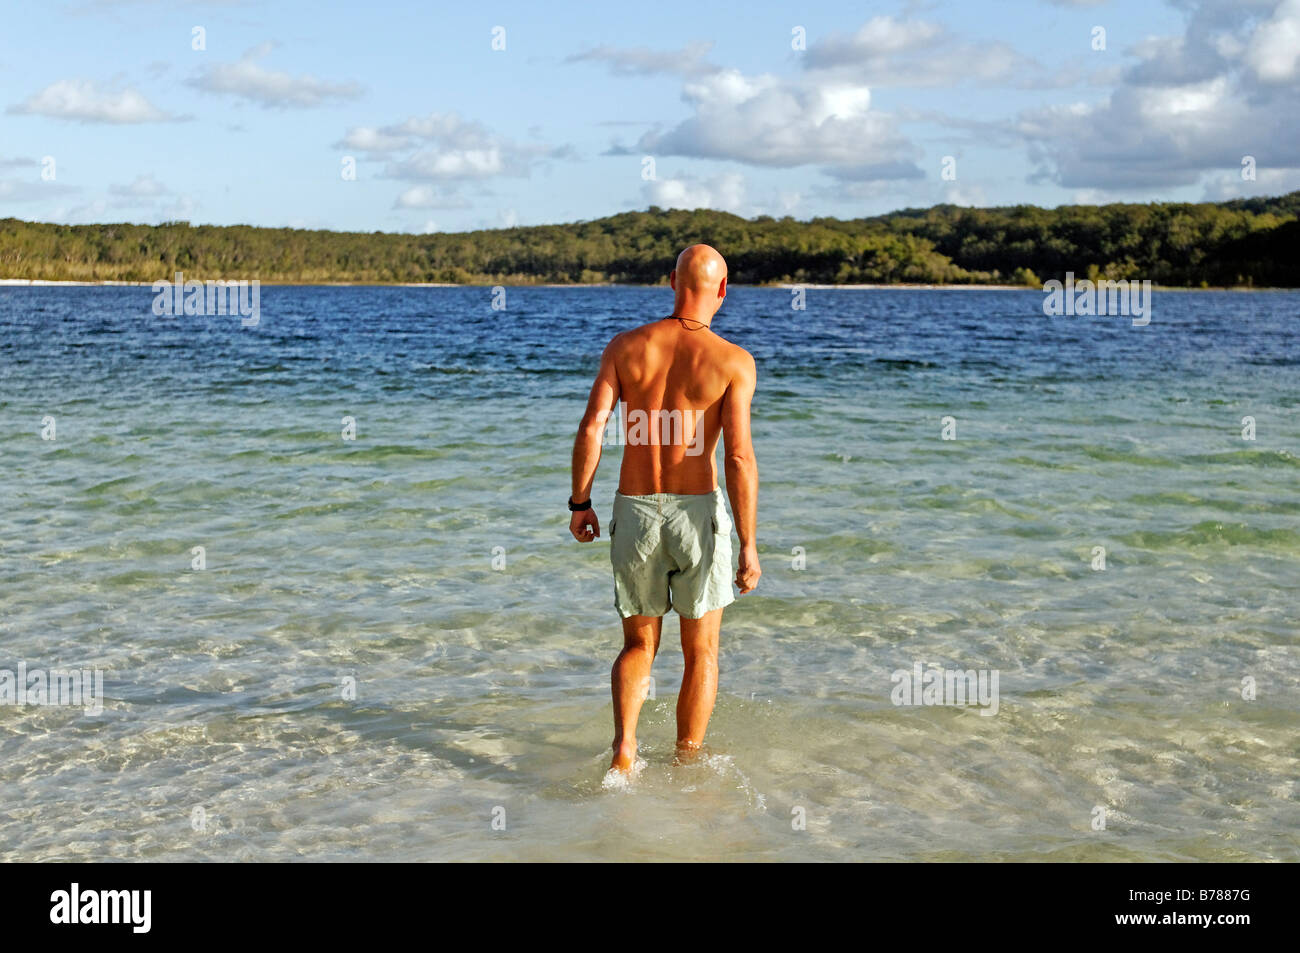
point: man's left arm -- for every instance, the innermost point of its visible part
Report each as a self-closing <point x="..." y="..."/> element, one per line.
<point x="586" y="446"/>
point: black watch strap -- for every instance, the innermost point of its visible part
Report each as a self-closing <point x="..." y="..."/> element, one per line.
<point x="578" y="507"/>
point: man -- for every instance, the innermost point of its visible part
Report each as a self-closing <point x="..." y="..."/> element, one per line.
<point x="670" y="537"/>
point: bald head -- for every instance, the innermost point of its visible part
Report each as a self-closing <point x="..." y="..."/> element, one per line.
<point x="699" y="283"/>
<point x="700" y="270"/>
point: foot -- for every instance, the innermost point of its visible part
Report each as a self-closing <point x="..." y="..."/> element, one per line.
<point x="687" y="751"/>
<point x="624" y="756"/>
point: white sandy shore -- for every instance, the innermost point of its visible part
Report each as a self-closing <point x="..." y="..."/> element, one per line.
<point x="41" y="282"/>
<point x="904" y="287"/>
<point x="26" y="282"/>
<point x="31" y="282"/>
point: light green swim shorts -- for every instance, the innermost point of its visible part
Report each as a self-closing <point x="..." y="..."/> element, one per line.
<point x="671" y="549"/>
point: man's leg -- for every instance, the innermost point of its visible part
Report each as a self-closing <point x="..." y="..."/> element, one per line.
<point x="630" y="681"/>
<point x="699" y="681"/>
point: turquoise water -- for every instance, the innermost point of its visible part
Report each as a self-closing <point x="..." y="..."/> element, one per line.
<point x="482" y="693"/>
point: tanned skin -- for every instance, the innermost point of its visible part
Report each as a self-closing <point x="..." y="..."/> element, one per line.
<point x="675" y="364"/>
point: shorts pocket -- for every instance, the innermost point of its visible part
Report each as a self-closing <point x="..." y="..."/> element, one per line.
<point x="721" y="524"/>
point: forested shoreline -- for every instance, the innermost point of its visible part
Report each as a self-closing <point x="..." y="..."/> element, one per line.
<point x="1241" y="243"/>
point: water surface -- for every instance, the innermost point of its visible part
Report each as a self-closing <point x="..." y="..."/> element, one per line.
<point x="483" y="694"/>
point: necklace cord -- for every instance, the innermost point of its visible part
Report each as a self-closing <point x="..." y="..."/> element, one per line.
<point x="682" y="321"/>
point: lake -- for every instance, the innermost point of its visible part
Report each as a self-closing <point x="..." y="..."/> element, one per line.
<point x="389" y="648"/>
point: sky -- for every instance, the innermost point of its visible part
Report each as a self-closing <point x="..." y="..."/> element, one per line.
<point x="423" y="117"/>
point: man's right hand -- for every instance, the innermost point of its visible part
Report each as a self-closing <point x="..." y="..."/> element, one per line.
<point x="749" y="571"/>
<point x="584" y="526"/>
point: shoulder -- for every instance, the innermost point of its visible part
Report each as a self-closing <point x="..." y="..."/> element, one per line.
<point x="630" y="343"/>
<point x="738" y="361"/>
<point x="619" y="343"/>
<point x="631" y="337"/>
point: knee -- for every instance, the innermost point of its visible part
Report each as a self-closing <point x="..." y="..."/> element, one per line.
<point x="636" y="644"/>
<point x="701" y="656"/>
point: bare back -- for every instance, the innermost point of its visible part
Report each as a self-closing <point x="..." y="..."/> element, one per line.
<point x="676" y="386"/>
<point x="674" y="383"/>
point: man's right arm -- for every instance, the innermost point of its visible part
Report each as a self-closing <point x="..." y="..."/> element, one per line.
<point x="741" y="469"/>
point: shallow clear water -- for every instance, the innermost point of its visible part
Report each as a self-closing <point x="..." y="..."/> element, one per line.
<point x="484" y="693"/>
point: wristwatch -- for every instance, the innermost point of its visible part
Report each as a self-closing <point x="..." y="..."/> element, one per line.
<point x="578" y="507"/>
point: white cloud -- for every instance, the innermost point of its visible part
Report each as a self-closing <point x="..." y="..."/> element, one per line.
<point x="1194" y="100"/>
<point x="442" y="152"/>
<point x="81" y="214"/>
<point x="1230" y="185"/>
<point x="442" y="128"/>
<point x="18" y="190"/>
<point x="787" y="202"/>
<point x="639" y="61"/>
<point x="886" y="51"/>
<point x="725" y="192"/>
<point x="181" y="209"/>
<point x="143" y="187"/>
<point x="374" y="141"/>
<point x="1186" y="113"/>
<point x="879" y="36"/>
<point x="425" y="196"/>
<point x="246" y="79"/>
<point x="970" y="196"/>
<point x="451" y="164"/>
<point x="770" y="121"/>
<point x="1274" y="47"/>
<point x="84" y="101"/>
<point x="444" y="148"/>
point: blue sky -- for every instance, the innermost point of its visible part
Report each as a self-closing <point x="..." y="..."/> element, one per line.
<point x="108" y="112"/>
